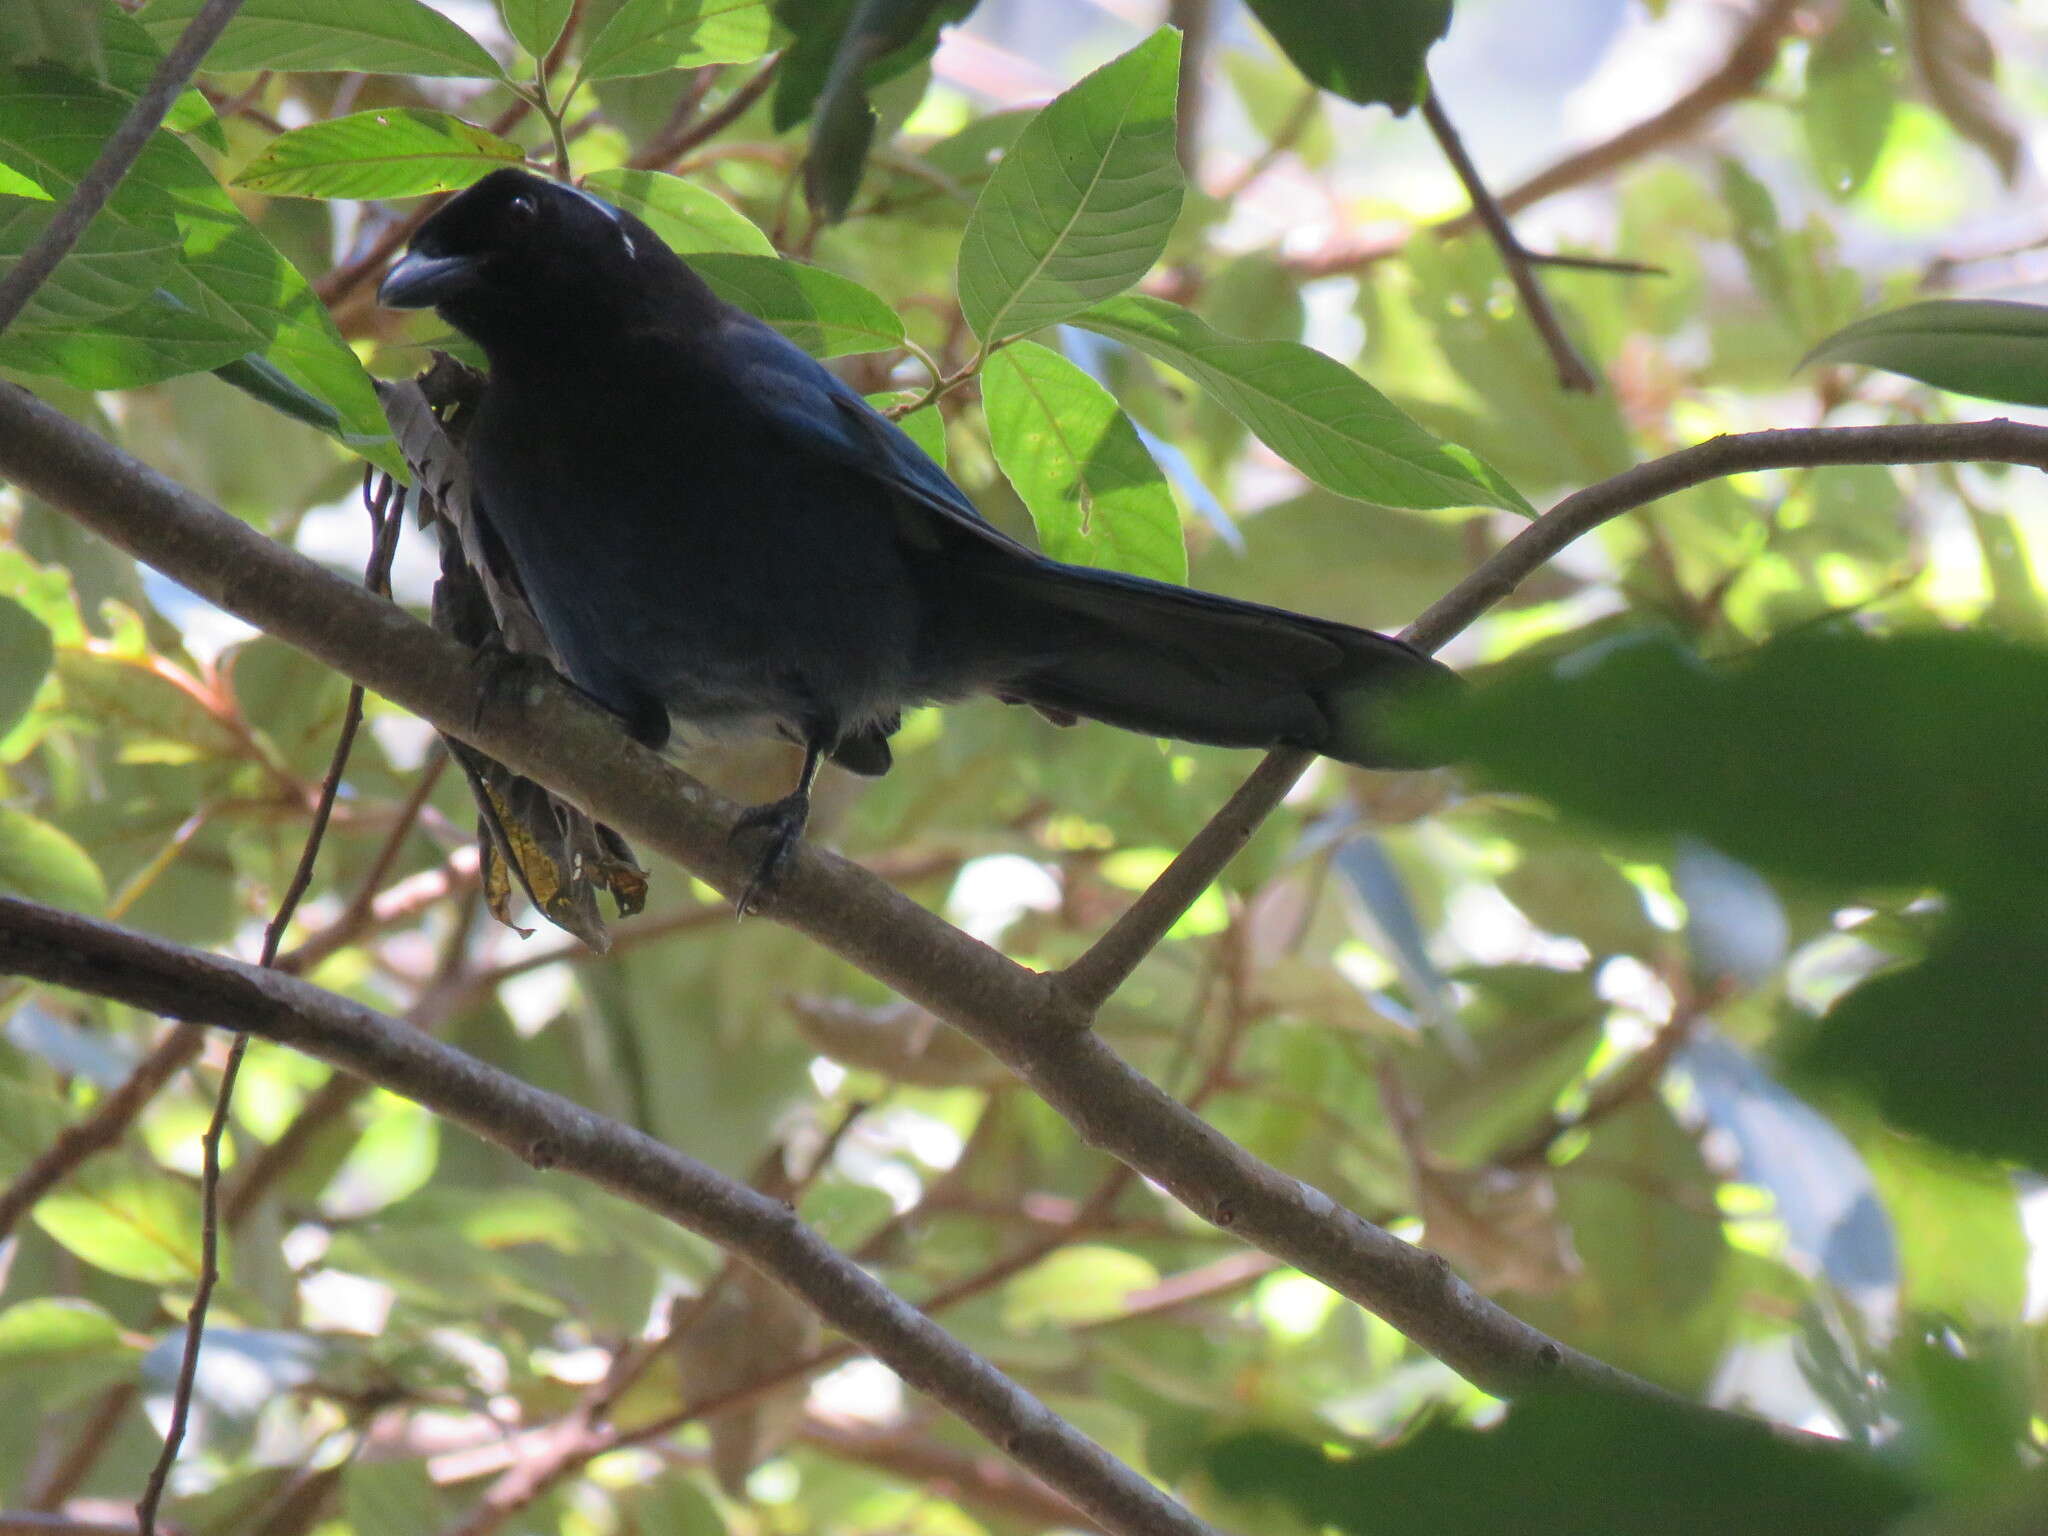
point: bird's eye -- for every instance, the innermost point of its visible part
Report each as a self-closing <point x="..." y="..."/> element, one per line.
<point x="522" y="209"/>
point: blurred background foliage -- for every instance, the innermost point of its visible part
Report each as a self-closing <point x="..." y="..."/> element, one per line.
<point x="1700" y="1020"/>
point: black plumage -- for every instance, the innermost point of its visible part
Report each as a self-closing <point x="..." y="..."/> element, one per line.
<point x="716" y="531"/>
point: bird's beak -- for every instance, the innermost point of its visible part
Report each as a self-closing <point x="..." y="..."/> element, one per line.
<point x="420" y="282"/>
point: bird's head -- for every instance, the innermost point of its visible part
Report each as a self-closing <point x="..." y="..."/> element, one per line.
<point x="516" y="253"/>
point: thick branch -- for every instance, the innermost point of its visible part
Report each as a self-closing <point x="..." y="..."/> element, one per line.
<point x="1991" y="442"/>
<point x="552" y="1132"/>
<point x="1026" y="1019"/>
<point x="116" y="156"/>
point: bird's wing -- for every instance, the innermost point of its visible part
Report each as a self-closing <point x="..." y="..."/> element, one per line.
<point x="820" y="414"/>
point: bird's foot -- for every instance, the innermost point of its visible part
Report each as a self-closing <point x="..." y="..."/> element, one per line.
<point x="503" y="676"/>
<point x="782" y="823"/>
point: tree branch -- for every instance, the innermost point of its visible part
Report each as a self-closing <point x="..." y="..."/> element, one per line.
<point x="1197" y="22"/>
<point x="980" y="1482"/>
<point x="1740" y="72"/>
<point x="103" y="1128"/>
<point x="550" y="1131"/>
<point x="116" y="157"/>
<point x="1111" y="959"/>
<point x="688" y="135"/>
<point x="1572" y="372"/>
<point x="22" y="1522"/>
<point x="1029" y="1021"/>
<point x="1992" y="442"/>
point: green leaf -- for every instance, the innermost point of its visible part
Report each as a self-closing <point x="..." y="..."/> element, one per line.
<point x="1953" y="1048"/>
<point x="30" y="1119"/>
<point x="1794" y="270"/>
<point x="536" y="24"/>
<point x="1963" y="1249"/>
<point x="132" y="60"/>
<point x="1311" y="410"/>
<point x="295" y="701"/>
<point x="825" y="314"/>
<point x="390" y="37"/>
<point x="1094" y="492"/>
<point x="926" y="428"/>
<point x="41" y="863"/>
<point x="1081" y="206"/>
<point x="157" y="340"/>
<point x="1566" y="887"/>
<point x="391" y="1498"/>
<point x="232" y="295"/>
<point x="645" y="37"/>
<point x="13" y="184"/>
<point x="1992" y="348"/>
<point x="65" y="32"/>
<point x="139" y="1225"/>
<point x="116" y="264"/>
<point x="1852" y="95"/>
<point x="50" y="1330"/>
<point x="1841" y="759"/>
<point x="391" y="152"/>
<point x="689" y="217"/>
<point x="1663" y="1466"/>
<point x="880" y="40"/>
<point x="26" y="655"/>
<point x="1655" y="1294"/>
<point x="1365" y="53"/>
<point x="157" y="720"/>
<point x="1084" y="1283"/>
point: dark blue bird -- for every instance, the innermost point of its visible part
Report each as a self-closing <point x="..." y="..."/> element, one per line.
<point x="715" y="531"/>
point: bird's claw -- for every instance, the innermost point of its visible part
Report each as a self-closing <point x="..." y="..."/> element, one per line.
<point x="503" y="675"/>
<point x="783" y="823"/>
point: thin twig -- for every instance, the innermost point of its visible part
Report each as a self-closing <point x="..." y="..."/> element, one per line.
<point x="116" y="157"/>
<point x="396" y="904"/>
<point x="104" y="1127"/>
<point x="1225" y="1276"/>
<point x="977" y="1482"/>
<point x="1741" y="71"/>
<point x="1573" y="262"/>
<point x="202" y="1294"/>
<point x="351" y="922"/>
<point x="442" y="998"/>
<point x="666" y="151"/>
<point x="23" y="1522"/>
<point x="1089" y="981"/>
<point x="386" y="522"/>
<point x="1572" y="372"/>
<point x="95" y="1434"/>
<point x="1632" y="1080"/>
<point x="1285" y="137"/>
<point x="1197" y="22"/>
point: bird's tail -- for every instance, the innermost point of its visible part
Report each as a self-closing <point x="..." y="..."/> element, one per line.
<point x="1175" y="662"/>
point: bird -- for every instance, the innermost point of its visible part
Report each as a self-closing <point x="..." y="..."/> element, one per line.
<point x="718" y="535"/>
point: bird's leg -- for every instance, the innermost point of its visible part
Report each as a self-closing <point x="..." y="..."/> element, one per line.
<point x="783" y="820"/>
